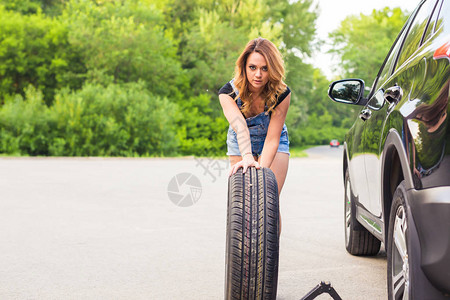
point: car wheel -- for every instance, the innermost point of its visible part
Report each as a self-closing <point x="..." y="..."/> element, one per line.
<point x="399" y="286"/>
<point x="252" y="245"/>
<point x="358" y="240"/>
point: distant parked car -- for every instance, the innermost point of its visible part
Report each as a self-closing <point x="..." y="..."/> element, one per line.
<point x="396" y="163"/>
<point x="334" y="143"/>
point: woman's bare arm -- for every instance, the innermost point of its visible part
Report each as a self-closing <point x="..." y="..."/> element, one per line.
<point x="239" y="125"/>
<point x="274" y="132"/>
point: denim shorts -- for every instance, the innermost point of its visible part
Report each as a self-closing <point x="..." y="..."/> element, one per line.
<point x="257" y="126"/>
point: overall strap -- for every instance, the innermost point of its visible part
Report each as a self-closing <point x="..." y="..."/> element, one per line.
<point x="239" y="101"/>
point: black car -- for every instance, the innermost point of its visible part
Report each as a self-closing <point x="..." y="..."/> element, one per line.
<point x="396" y="163"/>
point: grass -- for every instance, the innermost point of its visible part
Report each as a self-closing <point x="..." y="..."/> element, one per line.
<point x="299" y="151"/>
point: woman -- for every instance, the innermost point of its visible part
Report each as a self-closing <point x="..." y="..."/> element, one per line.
<point x="255" y="104"/>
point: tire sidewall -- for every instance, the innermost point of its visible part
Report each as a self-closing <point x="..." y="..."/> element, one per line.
<point x="348" y="236"/>
<point x="354" y="224"/>
<point x="399" y="199"/>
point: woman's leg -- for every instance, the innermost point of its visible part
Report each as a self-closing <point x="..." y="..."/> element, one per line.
<point x="280" y="167"/>
<point x="234" y="159"/>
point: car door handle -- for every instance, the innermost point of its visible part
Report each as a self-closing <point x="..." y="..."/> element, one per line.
<point x="365" y="114"/>
<point x="393" y="95"/>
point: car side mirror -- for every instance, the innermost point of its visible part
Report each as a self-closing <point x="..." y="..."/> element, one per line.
<point x="349" y="91"/>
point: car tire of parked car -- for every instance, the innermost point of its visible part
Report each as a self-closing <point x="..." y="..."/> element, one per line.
<point x="252" y="244"/>
<point x="358" y="240"/>
<point x="398" y="255"/>
<point x="404" y="254"/>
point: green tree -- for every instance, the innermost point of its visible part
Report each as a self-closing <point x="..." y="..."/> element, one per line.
<point x="34" y="49"/>
<point x="117" y="120"/>
<point x="25" y="128"/>
<point x="321" y="119"/>
<point x="362" y="42"/>
<point x="51" y="7"/>
<point x="123" y="41"/>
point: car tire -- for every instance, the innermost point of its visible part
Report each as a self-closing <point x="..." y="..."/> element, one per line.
<point x="404" y="270"/>
<point x="252" y="244"/>
<point x="398" y="254"/>
<point x="358" y="240"/>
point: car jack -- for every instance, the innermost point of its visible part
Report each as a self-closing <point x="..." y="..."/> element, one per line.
<point x="322" y="287"/>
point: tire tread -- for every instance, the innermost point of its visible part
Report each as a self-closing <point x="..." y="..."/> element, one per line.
<point x="252" y="248"/>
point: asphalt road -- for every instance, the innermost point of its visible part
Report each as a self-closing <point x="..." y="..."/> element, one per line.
<point x="94" y="228"/>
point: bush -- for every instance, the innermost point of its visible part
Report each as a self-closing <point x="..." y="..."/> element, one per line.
<point x="319" y="131"/>
<point x="200" y="133"/>
<point x="125" y="41"/>
<point x="34" y="49"/>
<point x="117" y="120"/>
<point x="25" y="127"/>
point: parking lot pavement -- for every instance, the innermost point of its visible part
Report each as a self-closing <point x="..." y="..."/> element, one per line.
<point x="95" y="228"/>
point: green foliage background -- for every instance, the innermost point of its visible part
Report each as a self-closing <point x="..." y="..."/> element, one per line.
<point x="140" y="77"/>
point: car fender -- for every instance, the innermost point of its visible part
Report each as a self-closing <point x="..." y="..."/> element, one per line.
<point x="345" y="160"/>
<point x="394" y="141"/>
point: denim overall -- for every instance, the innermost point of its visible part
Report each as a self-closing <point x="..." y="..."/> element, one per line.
<point x="257" y="126"/>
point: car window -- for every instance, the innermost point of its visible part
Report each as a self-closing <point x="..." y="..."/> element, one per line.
<point x="377" y="101"/>
<point x="432" y="23"/>
<point x="389" y="62"/>
<point x="442" y="22"/>
<point x="416" y="30"/>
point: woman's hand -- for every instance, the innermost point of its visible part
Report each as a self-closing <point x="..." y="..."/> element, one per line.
<point x="247" y="161"/>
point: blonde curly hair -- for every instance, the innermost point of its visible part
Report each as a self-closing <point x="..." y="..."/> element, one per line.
<point x="274" y="87"/>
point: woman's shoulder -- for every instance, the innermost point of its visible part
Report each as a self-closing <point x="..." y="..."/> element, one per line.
<point x="227" y="89"/>
<point x="283" y="95"/>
